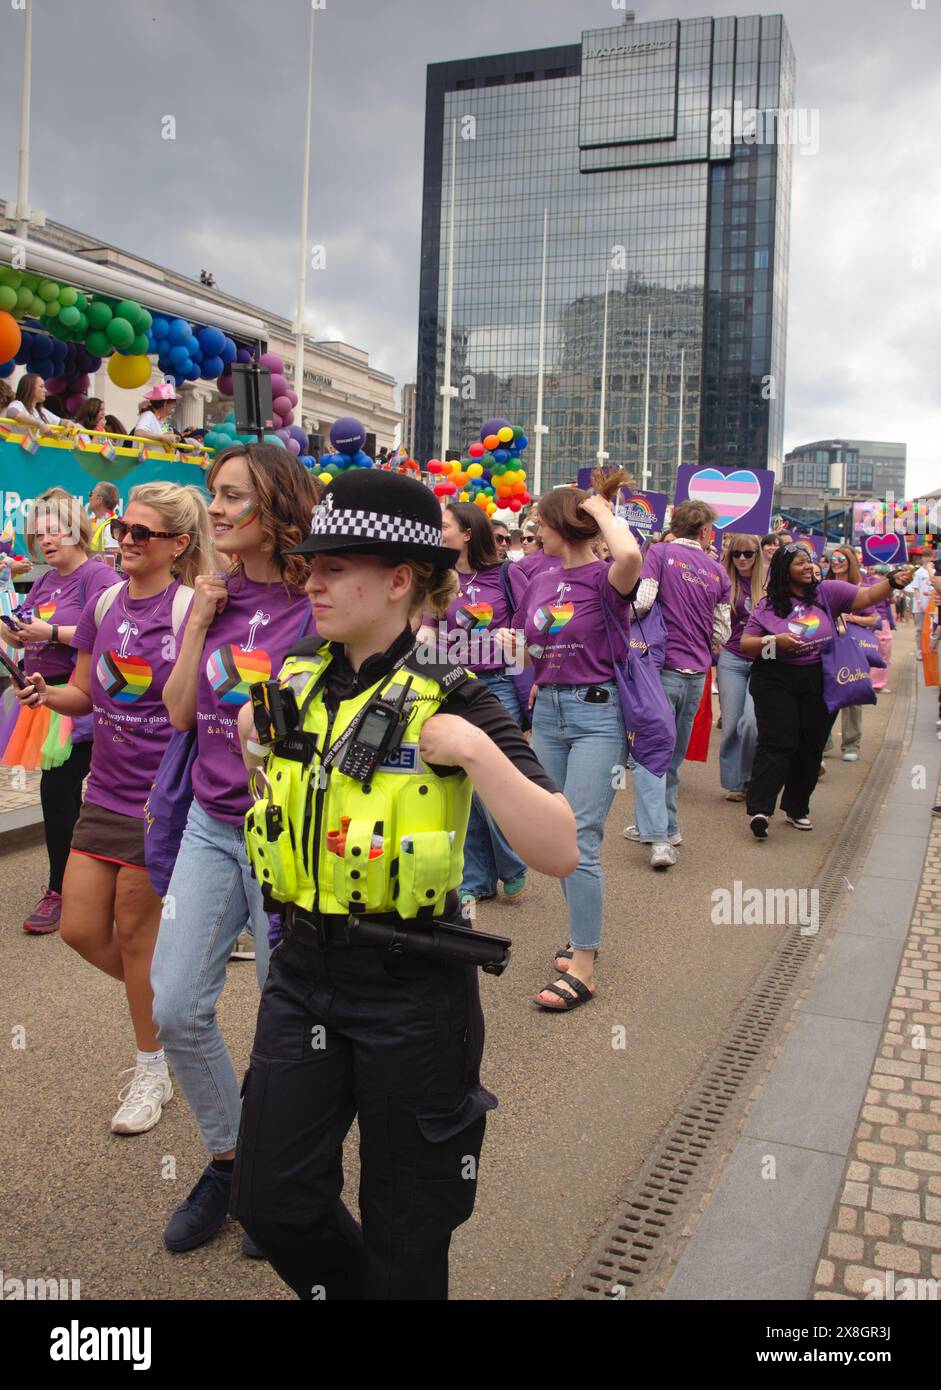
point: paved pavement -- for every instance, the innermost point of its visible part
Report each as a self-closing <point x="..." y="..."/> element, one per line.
<point x="578" y="1113"/>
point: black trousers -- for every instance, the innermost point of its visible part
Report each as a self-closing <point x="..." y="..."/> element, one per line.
<point x="60" y="794"/>
<point x="396" y="1040"/>
<point x="793" y="726"/>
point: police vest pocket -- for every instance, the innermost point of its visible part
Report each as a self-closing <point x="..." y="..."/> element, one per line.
<point x="424" y="866"/>
<point x="270" y="846"/>
<point x="361" y="873"/>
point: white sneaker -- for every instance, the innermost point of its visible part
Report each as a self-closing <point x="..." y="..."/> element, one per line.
<point x="851" y="757"/>
<point x="663" y="857"/>
<point x="799" y="822"/>
<point x="632" y="833"/>
<point x="142" y="1102"/>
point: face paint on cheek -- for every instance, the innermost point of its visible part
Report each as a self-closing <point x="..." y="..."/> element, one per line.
<point x="246" y="517"/>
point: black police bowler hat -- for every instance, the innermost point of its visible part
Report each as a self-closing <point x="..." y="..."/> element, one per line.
<point x="366" y="511"/>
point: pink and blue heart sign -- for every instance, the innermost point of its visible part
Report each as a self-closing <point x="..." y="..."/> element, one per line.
<point x="741" y="498"/>
<point x="889" y="549"/>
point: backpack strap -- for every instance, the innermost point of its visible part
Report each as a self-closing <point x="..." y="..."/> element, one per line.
<point x="181" y="606"/>
<point x="105" y="600"/>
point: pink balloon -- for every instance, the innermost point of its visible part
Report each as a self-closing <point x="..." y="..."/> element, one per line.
<point x="282" y="433"/>
<point x="279" y="386"/>
<point x="278" y="422"/>
<point x="272" y="360"/>
<point x="292" y="397"/>
<point x="75" y="402"/>
<point x="294" y="447"/>
<point x="288" y="418"/>
<point x="282" y="404"/>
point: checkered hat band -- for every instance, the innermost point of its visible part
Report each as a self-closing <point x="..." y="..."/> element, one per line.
<point x="372" y="526"/>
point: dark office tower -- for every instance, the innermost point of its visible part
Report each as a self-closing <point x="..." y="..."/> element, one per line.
<point x="663" y="153"/>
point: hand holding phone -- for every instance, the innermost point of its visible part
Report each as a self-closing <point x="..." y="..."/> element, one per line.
<point x="33" y="691"/>
<point x="12" y="670"/>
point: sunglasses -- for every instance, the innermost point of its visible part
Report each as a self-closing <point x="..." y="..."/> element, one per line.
<point x="500" y="539"/>
<point x="529" y="540"/>
<point x="140" y="535"/>
<point x="838" y="560"/>
<point x="743" y="554"/>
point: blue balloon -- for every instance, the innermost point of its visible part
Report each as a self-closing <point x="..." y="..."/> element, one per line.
<point x="361" y="460"/>
<point x="229" y="351"/>
<point x="42" y="345"/>
<point x="23" y="353"/>
<point x="8" y="368"/>
<point x="160" y="328"/>
<point x="306" y="459"/>
<point x="500" y="455"/>
<point x="192" y="373"/>
<point x="522" y="442"/>
<point x="211" y="340"/>
<point x="211" y="368"/>
<point x="179" y="332"/>
<point x="178" y="379"/>
<point x="180" y="359"/>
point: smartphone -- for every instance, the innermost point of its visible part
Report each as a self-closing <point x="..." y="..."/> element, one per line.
<point x="13" y="671"/>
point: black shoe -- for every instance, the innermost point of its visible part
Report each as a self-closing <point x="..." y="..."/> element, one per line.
<point x="250" y="1249"/>
<point x="197" y="1219"/>
<point x="759" y="827"/>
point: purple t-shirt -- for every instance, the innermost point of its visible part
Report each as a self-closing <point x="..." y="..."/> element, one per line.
<point x="806" y="621"/>
<point x="62" y="601"/>
<point x="247" y="642"/>
<point x="691" y="583"/>
<point x="133" y="652"/>
<point x="564" y="624"/>
<point x="526" y="569"/>
<point x="477" y="610"/>
<point x="740" y="610"/>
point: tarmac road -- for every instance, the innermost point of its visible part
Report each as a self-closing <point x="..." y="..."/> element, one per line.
<point x="578" y="1111"/>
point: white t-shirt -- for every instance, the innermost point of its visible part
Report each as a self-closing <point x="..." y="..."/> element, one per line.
<point x="149" y="423"/>
<point x="922" y="588"/>
<point x="39" y="412"/>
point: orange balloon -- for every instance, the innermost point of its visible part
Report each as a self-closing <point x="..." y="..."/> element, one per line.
<point x="10" y="336"/>
<point x="490" y="443"/>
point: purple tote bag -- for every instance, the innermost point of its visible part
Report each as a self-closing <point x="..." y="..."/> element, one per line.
<point x="846" y="679"/>
<point x="648" y="716"/>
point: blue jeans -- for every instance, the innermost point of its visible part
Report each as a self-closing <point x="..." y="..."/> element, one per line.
<point x="739" y="729"/>
<point x="655" y="798"/>
<point x="488" y="859"/>
<point x="582" y="747"/>
<point x="214" y="898"/>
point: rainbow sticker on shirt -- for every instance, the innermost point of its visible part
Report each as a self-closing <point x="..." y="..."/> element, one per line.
<point x="46" y="611"/>
<point x="231" y="670"/>
<point x="552" y="617"/>
<point x="474" y="615"/>
<point x="124" y="679"/>
<point x="804" y="628"/>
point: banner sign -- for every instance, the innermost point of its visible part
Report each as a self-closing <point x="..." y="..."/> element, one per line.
<point x="740" y="497"/>
<point x="884" y="550"/>
<point x="643" y="511"/>
<point x="816" y="543"/>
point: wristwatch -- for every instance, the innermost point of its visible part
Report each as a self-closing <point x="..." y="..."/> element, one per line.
<point x="55" y="633"/>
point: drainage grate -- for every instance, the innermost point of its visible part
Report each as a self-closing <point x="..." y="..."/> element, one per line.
<point x="634" y="1254"/>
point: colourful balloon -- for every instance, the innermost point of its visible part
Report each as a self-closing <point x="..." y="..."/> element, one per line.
<point x="129" y="372"/>
<point x="11" y="338"/>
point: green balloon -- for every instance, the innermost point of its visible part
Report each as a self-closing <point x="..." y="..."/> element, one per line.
<point x="67" y="296"/>
<point x="37" y="306"/>
<point x="32" y="281"/>
<point x="48" y="291"/>
<point x="80" y="300"/>
<point x="97" y="343"/>
<point x="81" y="328"/>
<point x="140" y="346"/>
<point x="7" y="298"/>
<point x="128" y="309"/>
<point x="69" y="316"/>
<point x="9" y="276"/>
<point x="120" y="333"/>
<point x="24" y="297"/>
<point x="53" y="309"/>
<point x="145" y="322"/>
<point x="99" y="315"/>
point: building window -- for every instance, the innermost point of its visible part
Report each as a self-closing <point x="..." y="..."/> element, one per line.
<point x="761" y="260"/>
<point x="525" y="77"/>
<point x="464" y="84"/>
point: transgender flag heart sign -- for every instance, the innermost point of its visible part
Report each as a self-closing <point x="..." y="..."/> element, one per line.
<point x="741" y="498"/>
<point x="884" y="550"/>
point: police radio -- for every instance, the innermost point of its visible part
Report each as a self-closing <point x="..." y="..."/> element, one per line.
<point x="274" y="710"/>
<point x="377" y="732"/>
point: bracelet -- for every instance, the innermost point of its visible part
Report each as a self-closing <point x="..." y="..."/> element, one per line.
<point x="55" y="633"/>
<point x="257" y="750"/>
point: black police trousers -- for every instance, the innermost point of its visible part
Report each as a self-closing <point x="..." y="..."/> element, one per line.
<point x="396" y="1041"/>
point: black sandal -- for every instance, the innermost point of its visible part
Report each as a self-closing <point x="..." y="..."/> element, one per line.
<point x="567" y="954"/>
<point x="582" y="995"/>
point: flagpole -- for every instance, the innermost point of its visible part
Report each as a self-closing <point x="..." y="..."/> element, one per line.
<point x="646" y="472"/>
<point x="540" y="427"/>
<point x="679" y="435"/>
<point x="22" y="189"/>
<point x="305" y="194"/>
<point x="604" y="372"/>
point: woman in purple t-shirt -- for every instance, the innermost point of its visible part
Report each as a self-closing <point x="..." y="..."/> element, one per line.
<point x="845" y="565"/>
<point x="58" y="535"/>
<point x="241" y="626"/>
<point x="475" y="631"/>
<point x="578" y="726"/>
<point x="744" y="564"/>
<point x="785" y="637"/>
<point x="126" y="642"/>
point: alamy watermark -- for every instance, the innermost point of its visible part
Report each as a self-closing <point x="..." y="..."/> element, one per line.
<point x="772" y="125"/>
<point x="766" y="907"/>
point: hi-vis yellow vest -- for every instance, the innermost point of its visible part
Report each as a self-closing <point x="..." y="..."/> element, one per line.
<point x="404" y="841"/>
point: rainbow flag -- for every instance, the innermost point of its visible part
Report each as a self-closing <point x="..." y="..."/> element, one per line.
<point x="28" y="444"/>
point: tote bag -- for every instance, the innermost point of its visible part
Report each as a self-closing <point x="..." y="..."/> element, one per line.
<point x="846" y="679"/>
<point x="648" y="716"/>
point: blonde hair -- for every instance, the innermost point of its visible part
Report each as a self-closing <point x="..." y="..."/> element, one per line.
<point x="67" y="511"/>
<point x="182" y="509"/>
<point x="432" y="588"/>
<point x="757" y="573"/>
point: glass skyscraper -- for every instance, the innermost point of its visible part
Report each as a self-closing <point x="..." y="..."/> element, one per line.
<point x="661" y="155"/>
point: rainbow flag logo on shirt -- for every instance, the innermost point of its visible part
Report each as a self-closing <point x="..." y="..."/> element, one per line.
<point x="231" y="670"/>
<point x="805" y="628"/>
<point x="475" y="615"/>
<point x="46" y="612"/>
<point x="124" y="679"/>
<point x="552" y="617"/>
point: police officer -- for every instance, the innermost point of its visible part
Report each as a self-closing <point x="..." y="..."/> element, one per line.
<point x="371" y="751"/>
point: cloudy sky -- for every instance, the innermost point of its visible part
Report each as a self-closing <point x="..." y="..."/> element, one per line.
<point x="864" y="343"/>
